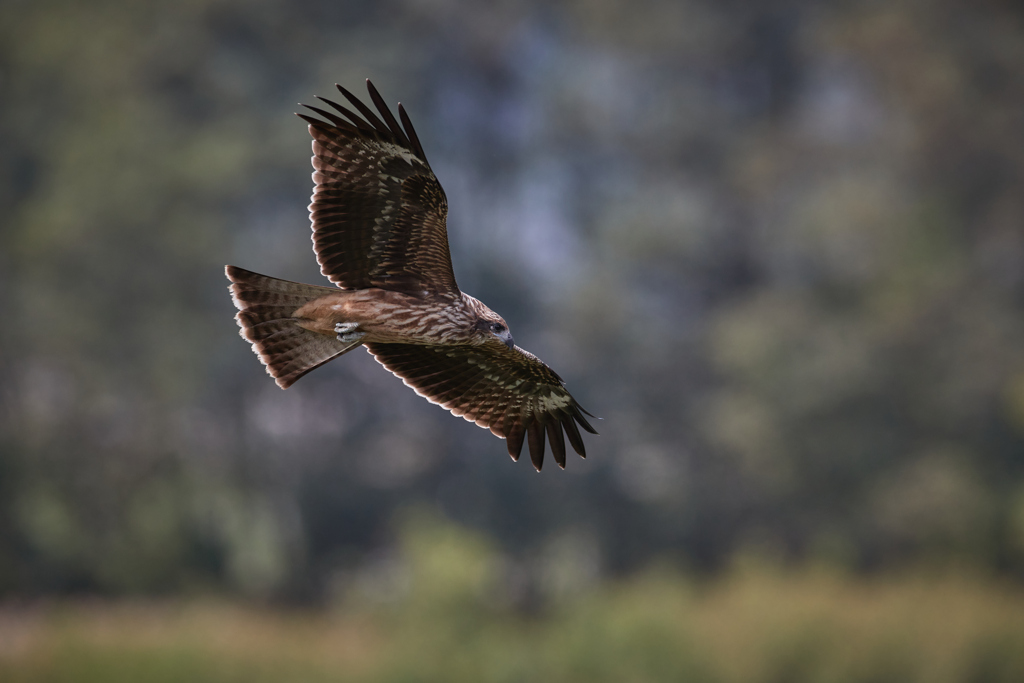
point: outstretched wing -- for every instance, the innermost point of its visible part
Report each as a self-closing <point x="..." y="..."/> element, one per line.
<point x="377" y="210"/>
<point x="509" y="391"/>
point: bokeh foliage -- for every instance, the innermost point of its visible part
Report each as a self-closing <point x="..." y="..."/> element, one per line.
<point x="777" y="246"/>
<point x="448" y="622"/>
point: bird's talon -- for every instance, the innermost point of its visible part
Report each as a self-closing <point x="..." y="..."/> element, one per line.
<point x="348" y="332"/>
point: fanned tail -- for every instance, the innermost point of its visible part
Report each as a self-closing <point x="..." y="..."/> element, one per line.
<point x="266" y="307"/>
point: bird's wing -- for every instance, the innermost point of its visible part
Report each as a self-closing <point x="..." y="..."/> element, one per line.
<point x="377" y="210"/>
<point x="509" y="391"/>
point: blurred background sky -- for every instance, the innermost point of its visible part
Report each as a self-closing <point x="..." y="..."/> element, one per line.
<point x="777" y="246"/>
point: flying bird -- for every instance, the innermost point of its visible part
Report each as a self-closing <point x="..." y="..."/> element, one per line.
<point x="378" y="215"/>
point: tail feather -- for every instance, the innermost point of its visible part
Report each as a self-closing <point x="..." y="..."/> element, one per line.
<point x="266" y="308"/>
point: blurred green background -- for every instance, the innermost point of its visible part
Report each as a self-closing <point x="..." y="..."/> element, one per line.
<point x="777" y="246"/>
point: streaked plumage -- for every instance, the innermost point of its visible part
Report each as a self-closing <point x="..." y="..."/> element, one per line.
<point x="378" y="216"/>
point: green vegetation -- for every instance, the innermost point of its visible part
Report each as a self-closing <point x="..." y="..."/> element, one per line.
<point x="755" y="624"/>
<point x="778" y="246"/>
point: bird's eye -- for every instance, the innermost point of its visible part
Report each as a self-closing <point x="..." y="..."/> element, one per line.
<point x="498" y="327"/>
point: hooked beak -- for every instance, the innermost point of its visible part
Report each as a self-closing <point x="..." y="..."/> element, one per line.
<point x="506" y="337"/>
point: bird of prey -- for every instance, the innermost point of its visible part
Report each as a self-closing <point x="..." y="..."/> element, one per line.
<point x="378" y="216"/>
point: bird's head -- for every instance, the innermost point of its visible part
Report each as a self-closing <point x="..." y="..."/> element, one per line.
<point x="490" y="324"/>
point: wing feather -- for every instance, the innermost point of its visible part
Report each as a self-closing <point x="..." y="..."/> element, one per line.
<point x="367" y="113"/>
<point x="353" y="118"/>
<point x="514" y="441"/>
<point x="554" y="429"/>
<point x="336" y="120"/>
<point x="509" y="391"/>
<point x="535" y="437"/>
<point x="378" y="212"/>
<point x="410" y="131"/>
<point x="389" y="118"/>
<point x="573" y="433"/>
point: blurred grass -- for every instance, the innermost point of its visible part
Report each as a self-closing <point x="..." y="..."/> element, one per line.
<point x="446" y="620"/>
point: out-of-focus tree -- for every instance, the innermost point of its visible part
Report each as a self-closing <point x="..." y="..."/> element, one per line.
<point x="778" y="247"/>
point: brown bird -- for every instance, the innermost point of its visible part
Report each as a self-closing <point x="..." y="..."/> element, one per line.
<point x="378" y="216"/>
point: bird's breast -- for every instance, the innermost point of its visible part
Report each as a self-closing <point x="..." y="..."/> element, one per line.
<point x="391" y="317"/>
